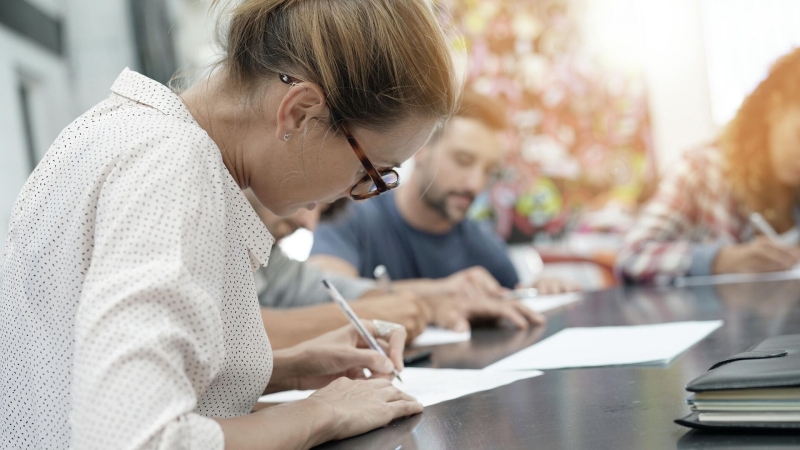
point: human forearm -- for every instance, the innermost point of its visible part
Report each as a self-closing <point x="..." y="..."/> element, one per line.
<point x="425" y="287"/>
<point x="290" y="327"/>
<point x="645" y="261"/>
<point x="298" y="425"/>
<point x="333" y="264"/>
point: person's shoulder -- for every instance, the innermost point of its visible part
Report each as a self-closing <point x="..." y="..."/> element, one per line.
<point x="708" y="157"/>
<point x="123" y="127"/>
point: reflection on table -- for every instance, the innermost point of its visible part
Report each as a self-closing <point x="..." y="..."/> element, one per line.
<point x="601" y="408"/>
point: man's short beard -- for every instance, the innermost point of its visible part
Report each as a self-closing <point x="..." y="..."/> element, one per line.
<point x="438" y="203"/>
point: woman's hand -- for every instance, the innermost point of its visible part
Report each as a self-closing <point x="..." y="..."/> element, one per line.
<point x="758" y="255"/>
<point x="340" y="353"/>
<point x="342" y="409"/>
<point x="360" y="406"/>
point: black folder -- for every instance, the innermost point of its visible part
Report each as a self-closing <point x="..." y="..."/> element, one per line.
<point x="755" y="390"/>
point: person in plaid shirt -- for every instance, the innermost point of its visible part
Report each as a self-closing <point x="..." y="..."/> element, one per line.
<point x="697" y="222"/>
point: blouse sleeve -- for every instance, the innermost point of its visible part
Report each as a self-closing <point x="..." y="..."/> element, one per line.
<point x="658" y="244"/>
<point x="149" y="337"/>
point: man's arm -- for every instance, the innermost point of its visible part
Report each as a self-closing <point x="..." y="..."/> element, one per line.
<point x="333" y="264"/>
<point x="288" y="327"/>
<point x="288" y="283"/>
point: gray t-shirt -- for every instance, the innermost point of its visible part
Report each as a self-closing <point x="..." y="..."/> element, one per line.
<point x="288" y="283"/>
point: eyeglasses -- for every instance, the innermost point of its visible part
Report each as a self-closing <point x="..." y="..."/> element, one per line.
<point x="375" y="182"/>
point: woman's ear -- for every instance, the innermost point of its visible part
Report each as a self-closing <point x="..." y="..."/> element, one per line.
<point x="301" y="104"/>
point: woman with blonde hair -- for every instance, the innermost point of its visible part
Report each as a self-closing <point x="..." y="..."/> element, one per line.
<point x="129" y="316"/>
<point x="698" y="221"/>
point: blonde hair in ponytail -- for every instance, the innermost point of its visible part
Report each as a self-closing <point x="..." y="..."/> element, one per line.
<point x="378" y="61"/>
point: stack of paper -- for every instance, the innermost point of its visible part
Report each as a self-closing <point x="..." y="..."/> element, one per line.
<point x="439" y="336"/>
<point x="544" y="303"/>
<point x="431" y="386"/>
<point x="610" y="346"/>
<point x="747" y="405"/>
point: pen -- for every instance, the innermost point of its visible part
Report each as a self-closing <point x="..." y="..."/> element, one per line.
<point x="353" y="318"/>
<point x="764" y="227"/>
<point x="382" y="275"/>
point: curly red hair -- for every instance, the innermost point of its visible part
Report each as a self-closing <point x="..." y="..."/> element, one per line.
<point x="745" y="140"/>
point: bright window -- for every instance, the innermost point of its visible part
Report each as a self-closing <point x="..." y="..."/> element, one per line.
<point x="742" y="39"/>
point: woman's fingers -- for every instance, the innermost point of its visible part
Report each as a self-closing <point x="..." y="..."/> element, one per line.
<point x="394" y="343"/>
<point x="372" y="360"/>
<point x="404" y="408"/>
<point x="360" y="406"/>
<point x="777" y="257"/>
<point x="397" y="342"/>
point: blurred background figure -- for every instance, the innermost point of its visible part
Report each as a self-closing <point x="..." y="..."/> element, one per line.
<point x="699" y="222"/>
<point x="420" y="233"/>
<point x="603" y="96"/>
<point x="295" y="307"/>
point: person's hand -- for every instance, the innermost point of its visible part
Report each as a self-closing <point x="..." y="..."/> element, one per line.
<point x="356" y="407"/>
<point x="474" y="282"/>
<point x="403" y="308"/>
<point x="759" y="255"/>
<point x="457" y="313"/>
<point x="340" y="353"/>
<point x="553" y="286"/>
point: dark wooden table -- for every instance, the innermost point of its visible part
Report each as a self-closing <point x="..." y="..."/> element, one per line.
<point x="602" y="408"/>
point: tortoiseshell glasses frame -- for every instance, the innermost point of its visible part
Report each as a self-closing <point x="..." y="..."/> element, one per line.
<point x="375" y="182"/>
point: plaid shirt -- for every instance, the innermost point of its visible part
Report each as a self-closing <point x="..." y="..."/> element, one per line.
<point x="681" y="229"/>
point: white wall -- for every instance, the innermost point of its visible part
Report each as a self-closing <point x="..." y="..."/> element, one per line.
<point x="663" y="40"/>
<point x="50" y="100"/>
<point x="98" y="44"/>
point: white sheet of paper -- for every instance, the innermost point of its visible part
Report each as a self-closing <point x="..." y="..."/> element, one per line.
<point x="544" y="303"/>
<point x="431" y="386"/>
<point x="609" y="346"/>
<point x="730" y="278"/>
<point x="439" y="336"/>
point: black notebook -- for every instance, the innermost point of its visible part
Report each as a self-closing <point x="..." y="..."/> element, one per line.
<point x="757" y="389"/>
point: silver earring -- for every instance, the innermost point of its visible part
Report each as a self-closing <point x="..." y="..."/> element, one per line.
<point x="287" y="136"/>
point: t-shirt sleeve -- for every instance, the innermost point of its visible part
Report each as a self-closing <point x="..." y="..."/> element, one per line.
<point x="497" y="261"/>
<point x="340" y="238"/>
<point x="290" y="283"/>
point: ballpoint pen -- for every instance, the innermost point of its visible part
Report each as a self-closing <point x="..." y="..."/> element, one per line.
<point x="382" y="276"/>
<point x="353" y="318"/>
<point x="764" y="227"/>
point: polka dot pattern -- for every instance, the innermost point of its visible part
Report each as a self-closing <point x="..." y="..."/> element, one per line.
<point x="129" y="314"/>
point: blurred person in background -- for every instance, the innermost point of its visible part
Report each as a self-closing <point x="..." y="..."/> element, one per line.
<point x="129" y="316"/>
<point x="698" y="222"/>
<point x="295" y="306"/>
<point x="422" y="234"/>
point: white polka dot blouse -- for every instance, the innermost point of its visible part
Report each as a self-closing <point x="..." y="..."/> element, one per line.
<point x="129" y="313"/>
